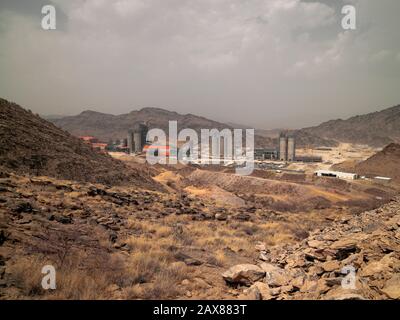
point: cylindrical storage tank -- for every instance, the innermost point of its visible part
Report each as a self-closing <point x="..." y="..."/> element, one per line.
<point x="137" y="140"/>
<point x="130" y="141"/>
<point x="282" y="148"/>
<point x="291" y="149"/>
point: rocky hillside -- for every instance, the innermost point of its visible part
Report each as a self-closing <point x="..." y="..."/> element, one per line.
<point x="367" y="246"/>
<point x="376" y="129"/>
<point x="126" y="243"/>
<point x="384" y="163"/>
<point x="30" y="144"/>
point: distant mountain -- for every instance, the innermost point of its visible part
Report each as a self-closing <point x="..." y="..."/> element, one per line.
<point x="30" y="144"/>
<point x="49" y="117"/>
<point x="376" y="129"/>
<point x="384" y="163"/>
<point x="107" y="126"/>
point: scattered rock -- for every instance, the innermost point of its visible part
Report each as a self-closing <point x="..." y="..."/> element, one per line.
<point x="63" y="219"/>
<point x="245" y="274"/>
<point x="185" y="282"/>
<point x="251" y="293"/>
<point x="274" y="276"/>
<point x="316" y="244"/>
<point x="261" y="247"/>
<point x="221" y="216"/>
<point x="263" y="289"/>
<point x="188" y="260"/>
<point x="23" y="207"/>
<point x="313" y="267"/>
<point x="376" y="268"/>
<point x="330" y="266"/>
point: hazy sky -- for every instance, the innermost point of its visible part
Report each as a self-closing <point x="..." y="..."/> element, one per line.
<point x="265" y="63"/>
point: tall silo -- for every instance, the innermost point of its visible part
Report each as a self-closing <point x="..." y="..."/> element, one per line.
<point x="136" y="139"/>
<point x="139" y="137"/>
<point x="283" y="151"/>
<point x="291" y="155"/>
<point x="130" y="141"/>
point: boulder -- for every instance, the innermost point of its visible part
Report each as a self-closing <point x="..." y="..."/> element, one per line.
<point x="330" y="266"/>
<point x="263" y="289"/>
<point x="375" y="268"/>
<point x="251" y="293"/>
<point x="392" y="287"/>
<point x="316" y="244"/>
<point x="260" y="246"/>
<point x="275" y="276"/>
<point x="221" y="216"/>
<point x="245" y="274"/>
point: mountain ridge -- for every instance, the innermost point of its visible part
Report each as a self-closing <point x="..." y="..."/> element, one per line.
<point x="376" y="129"/>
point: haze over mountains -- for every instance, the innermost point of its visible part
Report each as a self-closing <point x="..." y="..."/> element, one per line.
<point x="376" y="129"/>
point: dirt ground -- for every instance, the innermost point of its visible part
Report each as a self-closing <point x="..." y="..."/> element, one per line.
<point x="345" y="152"/>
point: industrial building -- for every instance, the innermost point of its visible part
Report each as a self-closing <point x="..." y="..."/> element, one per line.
<point x="265" y="154"/>
<point x="137" y="138"/>
<point x="89" y="139"/>
<point x="308" y="159"/>
<point x="382" y="179"/>
<point x="94" y="143"/>
<point x="336" y="174"/>
<point x="286" y="150"/>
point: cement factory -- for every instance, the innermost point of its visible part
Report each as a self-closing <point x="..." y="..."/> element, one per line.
<point x="286" y="151"/>
<point x="136" y="143"/>
<point x="277" y="159"/>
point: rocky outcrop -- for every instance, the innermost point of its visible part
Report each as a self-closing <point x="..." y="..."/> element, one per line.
<point x="354" y="258"/>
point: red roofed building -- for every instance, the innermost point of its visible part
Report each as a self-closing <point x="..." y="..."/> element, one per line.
<point x="89" y="139"/>
<point x="99" y="146"/>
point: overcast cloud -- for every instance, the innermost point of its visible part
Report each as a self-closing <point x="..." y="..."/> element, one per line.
<point x="265" y="63"/>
